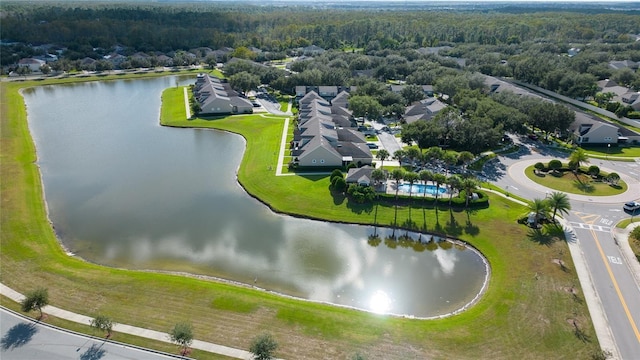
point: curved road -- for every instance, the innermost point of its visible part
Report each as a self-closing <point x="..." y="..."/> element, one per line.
<point x="611" y="280"/>
<point x="24" y="338"/>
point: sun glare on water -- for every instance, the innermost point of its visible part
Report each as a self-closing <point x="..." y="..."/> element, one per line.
<point x="380" y="302"/>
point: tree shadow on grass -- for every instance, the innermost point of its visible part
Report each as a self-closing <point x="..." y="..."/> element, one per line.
<point x="584" y="186"/>
<point x="541" y="236"/>
<point x="18" y="336"/>
<point x="452" y="227"/>
<point x="338" y="197"/>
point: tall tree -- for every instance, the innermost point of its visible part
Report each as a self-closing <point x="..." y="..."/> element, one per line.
<point x="468" y="184"/>
<point x="578" y="156"/>
<point x="412" y="93"/>
<point x="182" y="335"/>
<point x="383" y="155"/>
<point x="540" y="209"/>
<point x="438" y="179"/>
<point x="244" y="81"/>
<point x="35" y="300"/>
<point x="559" y="201"/>
<point x="455" y="183"/>
<point x="397" y="175"/>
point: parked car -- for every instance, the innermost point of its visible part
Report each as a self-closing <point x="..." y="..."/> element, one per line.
<point x="632" y="206"/>
<point x="533" y="137"/>
<point x="372" y="146"/>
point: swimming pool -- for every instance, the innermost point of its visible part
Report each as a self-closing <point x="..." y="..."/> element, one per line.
<point x="422" y="189"/>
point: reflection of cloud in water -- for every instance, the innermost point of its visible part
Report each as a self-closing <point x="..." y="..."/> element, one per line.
<point x="446" y="259"/>
<point x="322" y="261"/>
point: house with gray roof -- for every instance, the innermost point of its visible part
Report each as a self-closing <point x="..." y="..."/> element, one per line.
<point x="321" y="137"/>
<point x="360" y="176"/>
<point x="589" y="130"/>
<point x="217" y="98"/>
<point x="424" y="109"/>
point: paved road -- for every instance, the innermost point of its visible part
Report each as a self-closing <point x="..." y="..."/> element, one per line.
<point x="612" y="275"/>
<point x="27" y="339"/>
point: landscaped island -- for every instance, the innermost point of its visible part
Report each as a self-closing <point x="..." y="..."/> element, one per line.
<point x="524" y="312"/>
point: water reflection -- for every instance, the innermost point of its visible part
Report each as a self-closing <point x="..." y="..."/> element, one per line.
<point x="124" y="191"/>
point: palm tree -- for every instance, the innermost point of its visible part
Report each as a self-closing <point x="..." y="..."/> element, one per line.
<point x="559" y="201"/>
<point x="413" y="154"/>
<point x="378" y="176"/>
<point x="438" y="179"/>
<point x="399" y="155"/>
<point x="425" y="175"/>
<point x="397" y="175"/>
<point x="411" y="177"/>
<point x="382" y="155"/>
<point x="455" y="183"/>
<point x="468" y="184"/>
<point x="578" y="157"/>
<point x="449" y="158"/>
<point x="540" y="208"/>
<point x="465" y="157"/>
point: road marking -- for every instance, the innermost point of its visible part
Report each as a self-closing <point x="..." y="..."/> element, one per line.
<point x="587" y="218"/>
<point x="617" y="210"/>
<point x="590" y="226"/>
<point x="606" y="222"/>
<point x="615" y="285"/>
<point x="614" y="260"/>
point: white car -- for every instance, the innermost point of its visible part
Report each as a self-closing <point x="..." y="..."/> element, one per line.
<point x="631" y="206"/>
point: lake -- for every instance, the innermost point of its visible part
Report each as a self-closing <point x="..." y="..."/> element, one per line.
<point x="123" y="191"/>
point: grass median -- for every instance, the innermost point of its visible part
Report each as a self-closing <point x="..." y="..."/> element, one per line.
<point x="525" y="312"/>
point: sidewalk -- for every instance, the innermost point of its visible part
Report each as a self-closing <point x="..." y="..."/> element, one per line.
<point x="132" y="330"/>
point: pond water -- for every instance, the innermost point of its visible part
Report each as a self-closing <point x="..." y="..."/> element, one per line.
<point x="124" y="191"/>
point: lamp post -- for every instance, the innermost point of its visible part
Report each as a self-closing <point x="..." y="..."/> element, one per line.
<point x="608" y="149"/>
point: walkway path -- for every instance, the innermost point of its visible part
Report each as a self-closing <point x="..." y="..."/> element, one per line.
<point x="186" y="103"/>
<point x="131" y="330"/>
<point x="283" y="147"/>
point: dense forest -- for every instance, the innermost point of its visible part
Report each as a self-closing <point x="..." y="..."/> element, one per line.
<point x="366" y="48"/>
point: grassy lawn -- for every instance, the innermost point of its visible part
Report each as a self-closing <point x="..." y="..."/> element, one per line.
<point x="618" y="151"/>
<point x="524" y="313"/>
<point x="569" y="183"/>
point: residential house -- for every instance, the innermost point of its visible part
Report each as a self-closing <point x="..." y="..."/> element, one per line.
<point x="617" y="65"/>
<point x="424" y="109"/>
<point x="217" y="98"/>
<point x="321" y="137"/>
<point x="312" y="50"/>
<point x="31" y="63"/>
<point x="622" y="94"/>
<point x="360" y="176"/>
<point x="589" y="130"/>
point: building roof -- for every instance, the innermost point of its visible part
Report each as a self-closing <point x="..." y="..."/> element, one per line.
<point x="359" y="175"/>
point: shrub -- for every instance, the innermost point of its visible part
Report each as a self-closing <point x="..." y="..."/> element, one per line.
<point x="613" y="178"/>
<point x="593" y="170"/>
<point x="555" y="164"/>
<point x="635" y="234"/>
<point x="335" y="173"/>
<point x="539" y="166"/>
<point x="338" y="183"/>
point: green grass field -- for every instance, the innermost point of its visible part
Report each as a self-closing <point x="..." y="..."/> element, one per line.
<point x="523" y="314"/>
<point x="568" y="182"/>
